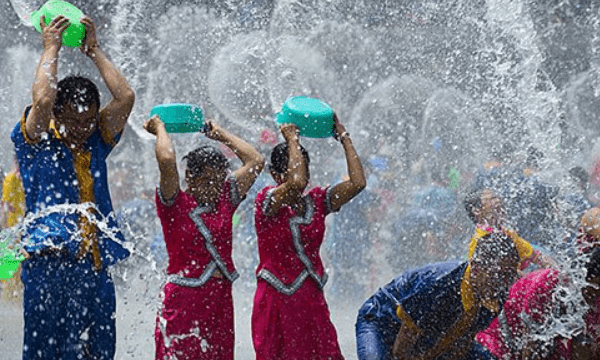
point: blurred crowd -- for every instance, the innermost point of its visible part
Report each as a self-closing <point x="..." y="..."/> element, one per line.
<point x="392" y="226"/>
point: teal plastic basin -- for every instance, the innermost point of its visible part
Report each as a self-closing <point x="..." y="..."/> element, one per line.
<point x="73" y="36"/>
<point x="179" y="118"/>
<point x="313" y="117"/>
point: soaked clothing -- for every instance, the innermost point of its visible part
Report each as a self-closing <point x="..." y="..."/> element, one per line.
<point x="431" y="300"/>
<point x="290" y="317"/>
<point x="196" y="319"/>
<point x="63" y="288"/>
<point x="53" y="178"/>
<point x="526" y="252"/>
<point x="530" y="302"/>
<point x="69" y="309"/>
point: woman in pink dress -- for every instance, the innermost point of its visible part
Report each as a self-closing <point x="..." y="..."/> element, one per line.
<point x="290" y="317"/>
<point x="196" y="319"/>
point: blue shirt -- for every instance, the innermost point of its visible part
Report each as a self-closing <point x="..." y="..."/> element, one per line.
<point x="50" y="180"/>
<point x="432" y="299"/>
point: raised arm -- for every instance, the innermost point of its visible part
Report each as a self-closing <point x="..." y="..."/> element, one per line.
<point x="345" y="191"/>
<point x="252" y="161"/>
<point x="113" y="116"/>
<point x="290" y="191"/>
<point x="44" y="87"/>
<point x="165" y="156"/>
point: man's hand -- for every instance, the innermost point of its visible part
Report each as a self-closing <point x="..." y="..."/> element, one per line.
<point x="153" y="124"/>
<point x="52" y="34"/>
<point x="90" y="42"/>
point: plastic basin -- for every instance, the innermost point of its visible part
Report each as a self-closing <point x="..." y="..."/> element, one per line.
<point x="313" y="117"/>
<point x="73" y="36"/>
<point x="179" y="118"/>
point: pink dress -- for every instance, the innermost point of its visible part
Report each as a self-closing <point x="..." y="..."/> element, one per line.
<point x="290" y="318"/>
<point x="531" y="296"/>
<point x="196" y="319"/>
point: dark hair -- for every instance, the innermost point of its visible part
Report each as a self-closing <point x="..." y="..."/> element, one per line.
<point x="280" y="158"/>
<point x="533" y="157"/>
<point x="593" y="265"/>
<point x="579" y="175"/>
<point x="205" y="156"/>
<point x="494" y="247"/>
<point x="75" y="90"/>
<point x="472" y="201"/>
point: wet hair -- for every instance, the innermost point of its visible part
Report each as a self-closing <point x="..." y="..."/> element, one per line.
<point x="75" y="90"/>
<point x="493" y="248"/>
<point x="280" y="157"/>
<point x="593" y="265"/>
<point x="579" y="175"/>
<point x="534" y="156"/>
<point x="205" y="156"/>
<point x="472" y="201"/>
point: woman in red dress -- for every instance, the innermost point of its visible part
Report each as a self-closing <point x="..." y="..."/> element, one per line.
<point x="290" y="317"/>
<point x="196" y="319"/>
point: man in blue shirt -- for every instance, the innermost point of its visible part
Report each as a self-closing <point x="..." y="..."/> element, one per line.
<point x="71" y="237"/>
<point x="434" y="312"/>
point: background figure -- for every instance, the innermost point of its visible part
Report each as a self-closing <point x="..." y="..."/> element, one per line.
<point x="12" y="210"/>
<point x="350" y="247"/>
<point x="530" y="203"/>
<point x="196" y="318"/>
<point x="487" y="211"/>
<point x="435" y="311"/>
<point x="62" y="143"/>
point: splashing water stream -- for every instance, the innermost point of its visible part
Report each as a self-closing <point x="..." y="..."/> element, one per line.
<point x="426" y="88"/>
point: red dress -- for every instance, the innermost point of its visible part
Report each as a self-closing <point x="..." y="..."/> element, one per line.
<point x="531" y="298"/>
<point x="290" y="318"/>
<point x="196" y="319"/>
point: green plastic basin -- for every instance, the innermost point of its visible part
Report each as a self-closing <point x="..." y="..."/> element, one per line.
<point x="73" y="36"/>
<point x="179" y="118"/>
<point x="313" y="117"/>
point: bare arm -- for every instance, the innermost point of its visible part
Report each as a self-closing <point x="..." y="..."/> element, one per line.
<point x="252" y="161"/>
<point x="345" y="191"/>
<point x="44" y="87"/>
<point x="290" y="191"/>
<point x="166" y="157"/>
<point x="113" y="116"/>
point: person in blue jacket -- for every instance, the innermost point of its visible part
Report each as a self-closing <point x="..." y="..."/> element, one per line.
<point x="434" y="312"/>
<point x="70" y="236"/>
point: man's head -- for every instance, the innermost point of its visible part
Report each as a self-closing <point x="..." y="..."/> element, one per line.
<point x="483" y="206"/>
<point x="279" y="161"/>
<point x="494" y="267"/>
<point x="205" y="166"/>
<point x="76" y="108"/>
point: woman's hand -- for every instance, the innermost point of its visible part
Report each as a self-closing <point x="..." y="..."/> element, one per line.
<point x="52" y="34"/>
<point x="90" y="42"/>
<point x="153" y="124"/>
<point x="338" y="128"/>
<point x="290" y="132"/>
<point x="212" y="130"/>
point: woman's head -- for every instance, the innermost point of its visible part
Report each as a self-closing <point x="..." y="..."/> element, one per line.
<point x="484" y="206"/>
<point x="280" y="158"/>
<point x="205" y="166"/>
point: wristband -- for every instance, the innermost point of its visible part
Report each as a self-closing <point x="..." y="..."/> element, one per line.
<point x="344" y="135"/>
